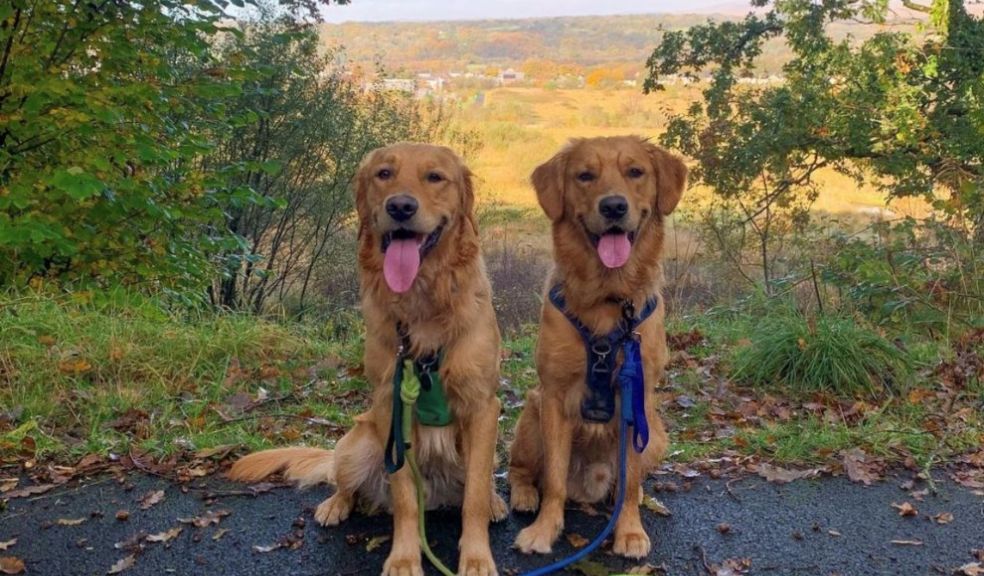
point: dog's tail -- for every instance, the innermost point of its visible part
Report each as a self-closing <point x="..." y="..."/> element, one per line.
<point x="305" y="466"/>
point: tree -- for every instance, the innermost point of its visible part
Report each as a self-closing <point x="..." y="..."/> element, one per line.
<point x="902" y="111"/>
<point x="105" y="106"/>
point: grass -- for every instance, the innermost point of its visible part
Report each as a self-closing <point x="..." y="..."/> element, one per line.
<point x="91" y="373"/>
<point x="820" y="354"/>
<point x="74" y="368"/>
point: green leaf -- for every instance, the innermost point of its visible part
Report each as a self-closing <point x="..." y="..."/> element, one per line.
<point x="76" y="183"/>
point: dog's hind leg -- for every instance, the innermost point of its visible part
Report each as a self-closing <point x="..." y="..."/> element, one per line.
<point x="357" y="457"/>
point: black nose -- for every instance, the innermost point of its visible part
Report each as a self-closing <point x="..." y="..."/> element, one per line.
<point x="613" y="207"/>
<point x="401" y="208"/>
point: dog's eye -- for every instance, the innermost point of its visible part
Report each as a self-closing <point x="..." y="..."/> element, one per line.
<point x="636" y="172"/>
<point x="585" y="176"/>
<point x="384" y="174"/>
<point x="434" y="177"/>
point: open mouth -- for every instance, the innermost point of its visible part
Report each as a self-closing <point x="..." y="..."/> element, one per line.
<point x="614" y="245"/>
<point x="402" y="252"/>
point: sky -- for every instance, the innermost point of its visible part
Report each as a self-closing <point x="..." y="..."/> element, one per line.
<point x="405" y="10"/>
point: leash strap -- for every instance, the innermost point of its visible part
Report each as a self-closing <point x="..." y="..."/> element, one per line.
<point x="396" y="444"/>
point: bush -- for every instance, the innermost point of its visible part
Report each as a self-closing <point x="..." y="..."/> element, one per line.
<point x="823" y="354"/>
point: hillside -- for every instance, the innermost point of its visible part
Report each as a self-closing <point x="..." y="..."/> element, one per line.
<point x="572" y="44"/>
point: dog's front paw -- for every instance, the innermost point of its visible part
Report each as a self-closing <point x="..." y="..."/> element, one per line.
<point x="631" y="542"/>
<point x="334" y="510"/>
<point x="539" y="536"/>
<point x="476" y="561"/>
<point x="499" y="508"/>
<point x="524" y="498"/>
<point x="403" y="563"/>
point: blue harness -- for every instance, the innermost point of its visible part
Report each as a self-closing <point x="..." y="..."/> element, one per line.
<point x="601" y="376"/>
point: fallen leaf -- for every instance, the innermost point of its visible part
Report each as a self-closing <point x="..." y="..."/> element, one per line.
<point x="859" y="468"/>
<point x="215" y="452"/>
<point x="971" y="569"/>
<point x="122" y="564"/>
<point x="943" y="518"/>
<point x="656" y="506"/>
<point x="11" y="565"/>
<point x="265" y="549"/>
<point x="576" y="540"/>
<point x="210" y="517"/>
<point x="69" y="521"/>
<point x="219" y="534"/>
<point x="905" y="509"/>
<point x="122" y="515"/>
<point x="647" y="569"/>
<point x="782" y="475"/>
<point x="151" y="498"/>
<point x="907" y="542"/>
<point x="591" y="568"/>
<point x="732" y="567"/>
<point x="5" y="545"/>
<point x="724" y="528"/>
<point x="165" y="536"/>
<point x="376" y="542"/>
<point x="29" y="491"/>
<point x="834" y="533"/>
<point x="8" y="484"/>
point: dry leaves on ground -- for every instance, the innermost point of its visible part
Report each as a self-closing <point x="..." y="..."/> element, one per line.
<point x="165" y="536"/>
<point x="783" y="475"/>
<point x="11" y="565"/>
<point x="151" y="498"/>
<point x="905" y="509"/>
<point x="122" y="564"/>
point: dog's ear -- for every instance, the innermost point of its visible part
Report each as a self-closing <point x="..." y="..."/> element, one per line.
<point x="671" y="174"/>
<point x="468" y="196"/>
<point x="361" y="187"/>
<point x="548" y="181"/>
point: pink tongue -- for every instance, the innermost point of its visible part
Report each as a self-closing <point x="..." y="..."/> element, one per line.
<point x="400" y="264"/>
<point x="613" y="249"/>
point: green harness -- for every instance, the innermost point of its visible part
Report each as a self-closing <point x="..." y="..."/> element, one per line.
<point x="426" y="395"/>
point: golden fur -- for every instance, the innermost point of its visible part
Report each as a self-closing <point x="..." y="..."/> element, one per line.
<point x="580" y="460"/>
<point x="449" y="307"/>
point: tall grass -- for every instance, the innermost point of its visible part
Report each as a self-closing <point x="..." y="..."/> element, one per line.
<point x="826" y="354"/>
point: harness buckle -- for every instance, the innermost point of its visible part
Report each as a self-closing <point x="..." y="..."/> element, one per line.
<point x="601" y="349"/>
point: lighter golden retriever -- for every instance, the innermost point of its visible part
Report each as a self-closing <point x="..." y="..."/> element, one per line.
<point x="419" y="266"/>
<point x="607" y="199"/>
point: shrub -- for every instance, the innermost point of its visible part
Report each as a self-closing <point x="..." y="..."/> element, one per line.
<point x="825" y="354"/>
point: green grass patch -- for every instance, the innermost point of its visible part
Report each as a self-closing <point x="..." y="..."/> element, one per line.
<point x="821" y="354"/>
<point x="86" y="374"/>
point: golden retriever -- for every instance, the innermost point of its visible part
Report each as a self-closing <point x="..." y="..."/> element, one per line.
<point x="607" y="199"/>
<point x="419" y="266"/>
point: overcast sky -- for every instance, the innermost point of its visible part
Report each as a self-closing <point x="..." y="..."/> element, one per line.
<point x="388" y="10"/>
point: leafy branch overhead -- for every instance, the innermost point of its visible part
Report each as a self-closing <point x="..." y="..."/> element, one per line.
<point x="904" y="110"/>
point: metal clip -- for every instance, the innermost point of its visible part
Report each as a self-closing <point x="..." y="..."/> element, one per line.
<point x="601" y="349"/>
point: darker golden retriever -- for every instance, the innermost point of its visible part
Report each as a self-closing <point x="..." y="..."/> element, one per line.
<point x="420" y="268"/>
<point x="607" y="199"/>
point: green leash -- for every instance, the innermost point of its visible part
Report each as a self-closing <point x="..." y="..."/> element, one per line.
<point x="409" y="395"/>
<point x="416" y="391"/>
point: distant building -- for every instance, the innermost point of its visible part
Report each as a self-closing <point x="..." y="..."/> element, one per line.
<point x="399" y="84"/>
<point x="510" y="76"/>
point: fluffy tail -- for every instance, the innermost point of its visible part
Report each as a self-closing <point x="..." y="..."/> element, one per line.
<point x="306" y="466"/>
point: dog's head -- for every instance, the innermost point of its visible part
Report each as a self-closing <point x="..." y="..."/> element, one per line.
<point x="408" y="197"/>
<point x="612" y="188"/>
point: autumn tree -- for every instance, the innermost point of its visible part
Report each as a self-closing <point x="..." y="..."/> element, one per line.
<point x="900" y="110"/>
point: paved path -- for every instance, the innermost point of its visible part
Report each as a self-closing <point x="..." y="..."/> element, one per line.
<point x="809" y="527"/>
